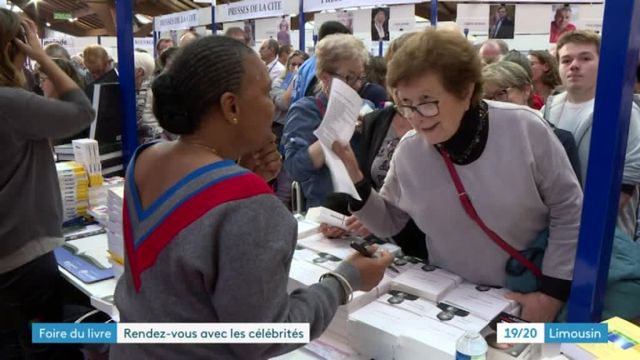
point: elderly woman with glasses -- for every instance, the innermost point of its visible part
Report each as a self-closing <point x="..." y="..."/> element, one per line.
<point x="338" y="56"/>
<point x="474" y="175"/>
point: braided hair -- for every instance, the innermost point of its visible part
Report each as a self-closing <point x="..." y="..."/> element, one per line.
<point x="198" y="77"/>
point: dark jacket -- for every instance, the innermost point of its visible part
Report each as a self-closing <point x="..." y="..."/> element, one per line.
<point x="505" y="31"/>
<point x="374" y="32"/>
<point x="374" y="129"/>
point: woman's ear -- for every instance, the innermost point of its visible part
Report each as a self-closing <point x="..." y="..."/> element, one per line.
<point x="229" y="107"/>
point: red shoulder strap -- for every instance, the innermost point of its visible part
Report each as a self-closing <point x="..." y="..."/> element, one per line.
<point x="320" y="106"/>
<point x="471" y="211"/>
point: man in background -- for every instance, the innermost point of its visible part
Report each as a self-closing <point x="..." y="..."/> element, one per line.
<point x="269" y="54"/>
<point x="492" y="50"/>
<point x="100" y="65"/>
<point x="578" y="54"/>
<point x="238" y="34"/>
<point x="503" y="28"/>
<point x="163" y="44"/>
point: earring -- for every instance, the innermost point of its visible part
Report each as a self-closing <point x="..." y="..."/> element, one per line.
<point x="234" y="121"/>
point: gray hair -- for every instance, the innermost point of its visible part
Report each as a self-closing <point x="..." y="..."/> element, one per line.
<point x="145" y="62"/>
<point x="506" y="74"/>
<point x="337" y="48"/>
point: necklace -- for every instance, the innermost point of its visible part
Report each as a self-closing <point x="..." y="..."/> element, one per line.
<point x="203" y="146"/>
<point x="463" y="158"/>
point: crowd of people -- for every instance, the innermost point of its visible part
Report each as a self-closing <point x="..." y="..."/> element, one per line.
<point x="471" y="152"/>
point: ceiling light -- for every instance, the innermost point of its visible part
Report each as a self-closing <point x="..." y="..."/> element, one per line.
<point x="143" y="19"/>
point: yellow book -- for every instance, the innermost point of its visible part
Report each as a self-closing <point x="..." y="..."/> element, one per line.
<point x="624" y="344"/>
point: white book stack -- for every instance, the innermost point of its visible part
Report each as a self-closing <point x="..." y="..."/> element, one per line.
<point x="426" y="281"/>
<point x="482" y="301"/>
<point x="382" y="330"/>
<point x="115" y="199"/>
<point x="87" y="153"/>
<point x="307" y="228"/>
<point x="308" y="266"/>
<point x="74" y="189"/>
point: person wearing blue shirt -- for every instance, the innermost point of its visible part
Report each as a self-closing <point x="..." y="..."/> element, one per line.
<point x="340" y="56"/>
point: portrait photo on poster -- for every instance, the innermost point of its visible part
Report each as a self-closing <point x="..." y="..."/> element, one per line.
<point x="380" y="24"/>
<point x="346" y="18"/>
<point x="250" y="31"/>
<point x="564" y="17"/>
<point x="284" y="36"/>
<point x="502" y="20"/>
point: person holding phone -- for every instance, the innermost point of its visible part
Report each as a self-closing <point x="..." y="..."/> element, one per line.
<point x="31" y="210"/>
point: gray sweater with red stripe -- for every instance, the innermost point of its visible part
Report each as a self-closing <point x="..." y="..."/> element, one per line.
<point x="230" y="265"/>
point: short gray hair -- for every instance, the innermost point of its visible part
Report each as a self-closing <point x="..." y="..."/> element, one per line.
<point x="145" y="62"/>
<point x="336" y="48"/>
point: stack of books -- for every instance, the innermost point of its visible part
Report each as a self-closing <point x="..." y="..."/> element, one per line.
<point x="309" y="265"/>
<point x="74" y="189"/>
<point x="432" y="309"/>
<point x="87" y="153"/>
<point x="115" y="199"/>
<point x="110" y="155"/>
<point x="623" y="344"/>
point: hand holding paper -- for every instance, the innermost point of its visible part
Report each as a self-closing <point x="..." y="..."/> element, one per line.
<point x="338" y="125"/>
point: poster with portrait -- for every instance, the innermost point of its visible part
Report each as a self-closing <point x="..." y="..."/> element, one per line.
<point x="564" y="19"/>
<point x="346" y="18"/>
<point x="250" y="31"/>
<point x="502" y="19"/>
<point x="380" y="24"/>
<point x="284" y="30"/>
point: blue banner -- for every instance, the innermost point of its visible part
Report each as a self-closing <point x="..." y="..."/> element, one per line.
<point x="54" y="333"/>
<point x="580" y="333"/>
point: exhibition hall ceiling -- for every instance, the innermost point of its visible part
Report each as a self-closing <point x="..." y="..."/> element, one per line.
<point x="98" y="17"/>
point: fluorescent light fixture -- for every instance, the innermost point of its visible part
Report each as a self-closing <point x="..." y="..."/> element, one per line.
<point x="143" y="19"/>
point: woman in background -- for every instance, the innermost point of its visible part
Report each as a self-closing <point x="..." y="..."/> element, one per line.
<point x="546" y="78"/>
<point x="508" y="82"/>
<point x="47" y="85"/>
<point x="339" y="56"/>
<point x="281" y="91"/>
<point x="31" y="206"/>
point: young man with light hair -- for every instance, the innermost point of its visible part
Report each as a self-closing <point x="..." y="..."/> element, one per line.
<point x="578" y="55"/>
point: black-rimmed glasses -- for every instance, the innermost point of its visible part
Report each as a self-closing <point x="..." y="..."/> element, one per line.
<point x="350" y="79"/>
<point x="426" y="109"/>
<point x="500" y="95"/>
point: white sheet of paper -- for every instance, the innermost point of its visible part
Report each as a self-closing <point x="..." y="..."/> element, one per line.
<point x="339" y="124"/>
<point x="339" y="175"/>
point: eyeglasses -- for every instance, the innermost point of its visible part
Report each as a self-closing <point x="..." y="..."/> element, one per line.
<point x="42" y="78"/>
<point x="426" y="109"/>
<point x="350" y="79"/>
<point x="501" y="95"/>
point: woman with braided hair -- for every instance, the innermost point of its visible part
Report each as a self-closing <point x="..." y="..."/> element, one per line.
<point x="206" y="240"/>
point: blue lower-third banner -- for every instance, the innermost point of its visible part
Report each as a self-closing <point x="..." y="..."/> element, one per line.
<point x="167" y="333"/>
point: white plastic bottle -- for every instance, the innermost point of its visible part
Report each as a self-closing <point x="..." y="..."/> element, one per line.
<point x="471" y="346"/>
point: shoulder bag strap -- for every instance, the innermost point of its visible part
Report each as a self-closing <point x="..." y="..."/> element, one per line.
<point x="320" y="106"/>
<point x="471" y="211"/>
